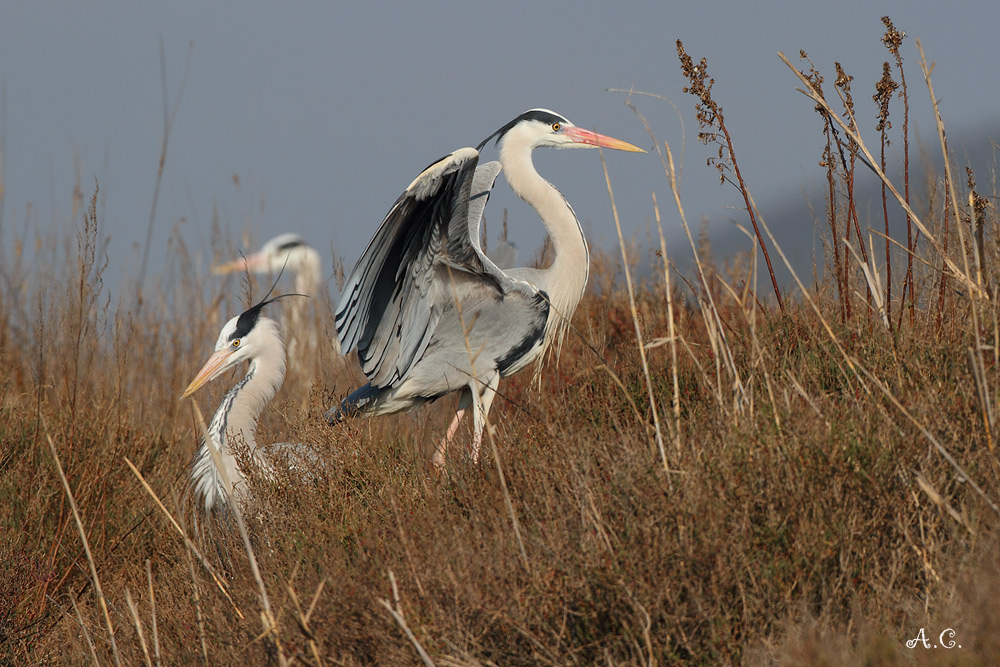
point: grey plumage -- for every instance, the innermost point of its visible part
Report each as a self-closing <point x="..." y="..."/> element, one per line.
<point x="430" y="313"/>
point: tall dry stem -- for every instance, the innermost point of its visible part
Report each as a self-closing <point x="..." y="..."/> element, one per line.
<point x="635" y="321"/>
<point x="710" y="116"/>
<point x="98" y="589"/>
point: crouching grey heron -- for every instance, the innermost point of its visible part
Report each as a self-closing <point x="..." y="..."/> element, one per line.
<point x="247" y="337"/>
<point x="429" y="313"/>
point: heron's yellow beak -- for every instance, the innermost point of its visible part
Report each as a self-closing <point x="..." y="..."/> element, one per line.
<point x="582" y="136"/>
<point x="215" y="365"/>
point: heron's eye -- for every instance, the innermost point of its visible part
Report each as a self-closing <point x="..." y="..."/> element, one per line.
<point x="555" y="127"/>
<point x="236" y="343"/>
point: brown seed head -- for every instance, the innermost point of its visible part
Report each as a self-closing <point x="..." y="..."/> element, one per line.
<point x="884" y="89"/>
<point x="893" y="38"/>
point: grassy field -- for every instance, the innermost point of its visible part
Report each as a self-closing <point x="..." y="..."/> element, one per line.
<point x="709" y="473"/>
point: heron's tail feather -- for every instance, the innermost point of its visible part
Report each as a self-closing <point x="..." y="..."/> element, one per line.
<point x="356" y="402"/>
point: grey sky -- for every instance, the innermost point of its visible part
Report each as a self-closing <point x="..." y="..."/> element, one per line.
<point x="325" y="111"/>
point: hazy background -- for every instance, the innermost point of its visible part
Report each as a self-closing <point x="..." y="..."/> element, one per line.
<point x="312" y="117"/>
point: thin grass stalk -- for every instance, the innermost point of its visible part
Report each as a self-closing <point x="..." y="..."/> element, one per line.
<point x="152" y="612"/>
<point x="635" y="320"/>
<point x="86" y="547"/>
<point x="671" y="328"/>
<point x="871" y="276"/>
<point x="893" y="39"/>
<point x="198" y="616"/>
<point x="268" y="621"/>
<point x="667" y="160"/>
<point x="939" y="122"/>
<point x="187" y="541"/>
<point x="86" y="633"/>
<point x="671" y="333"/>
<point x="943" y="284"/>
<point x="138" y="627"/>
<point x="983" y="394"/>
<point x="668" y="164"/>
<point x="168" y="122"/>
<point x="695" y="78"/>
<point x="398" y="617"/>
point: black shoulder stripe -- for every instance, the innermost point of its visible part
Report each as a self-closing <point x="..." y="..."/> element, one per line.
<point x="533" y="337"/>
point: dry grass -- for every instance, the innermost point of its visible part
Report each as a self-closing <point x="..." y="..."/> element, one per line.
<point x="831" y="485"/>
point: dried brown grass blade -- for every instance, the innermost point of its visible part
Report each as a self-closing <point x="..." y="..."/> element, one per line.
<point x="86" y="546"/>
<point x="190" y="544"/>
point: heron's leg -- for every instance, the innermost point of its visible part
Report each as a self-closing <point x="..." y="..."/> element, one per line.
<point x="483" y="400"/>
<point x="442" y="448"/>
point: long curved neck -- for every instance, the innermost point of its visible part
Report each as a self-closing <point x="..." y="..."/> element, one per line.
<point x="566" y="278"/>
<point x="235" y="423"/>
<point x="308" y="275"/>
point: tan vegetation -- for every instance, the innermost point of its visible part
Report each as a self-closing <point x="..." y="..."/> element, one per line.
<point x="817" y="485"/>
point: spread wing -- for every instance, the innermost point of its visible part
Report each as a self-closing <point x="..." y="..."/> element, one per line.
<point x="395" y="296"/>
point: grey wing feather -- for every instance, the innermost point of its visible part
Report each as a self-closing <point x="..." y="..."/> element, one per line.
<point x="505" y="255"/>
<point x="393" y="298"/>
<point x="482" y="186"/>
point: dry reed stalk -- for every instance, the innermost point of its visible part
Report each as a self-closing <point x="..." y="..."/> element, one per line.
<point x="199" y="617"/>
<point x="842" y="86"/>
<point x="152" y="611"/>
<point x="303" y="618"/>
<point x="871" y="275"/>
<point x="138" y="626"/>
<point x="941" y="503"/>
<point x="168" y="122"/>
<point x="86" y="546"/>
<point x="671" y="332"/>
<point x="187" y="541"/>
<point x="973" y="302"/>
<point x="710" y="114"/>
<point x="86" y="633"/>
<point x="267" y="618"/>
<point x="987" y="413"/>
<point x="635" y="321"/>
<point x="398" y="617"/>
<point x="892" y="40"/>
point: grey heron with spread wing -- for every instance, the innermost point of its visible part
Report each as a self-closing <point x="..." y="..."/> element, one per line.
<point x="429" y="313"/>
<point x="248" y="337"/>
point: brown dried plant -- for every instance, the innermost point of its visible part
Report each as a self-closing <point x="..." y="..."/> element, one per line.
<point x="712" y="124"/>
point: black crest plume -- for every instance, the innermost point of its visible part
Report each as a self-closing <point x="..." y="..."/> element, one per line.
<point x="248" y="318"/>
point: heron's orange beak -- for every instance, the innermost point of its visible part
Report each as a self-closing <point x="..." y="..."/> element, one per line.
<point x="215" y="365"/>
<point x="586" y="137"/>
<point x="250" y="262"/>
